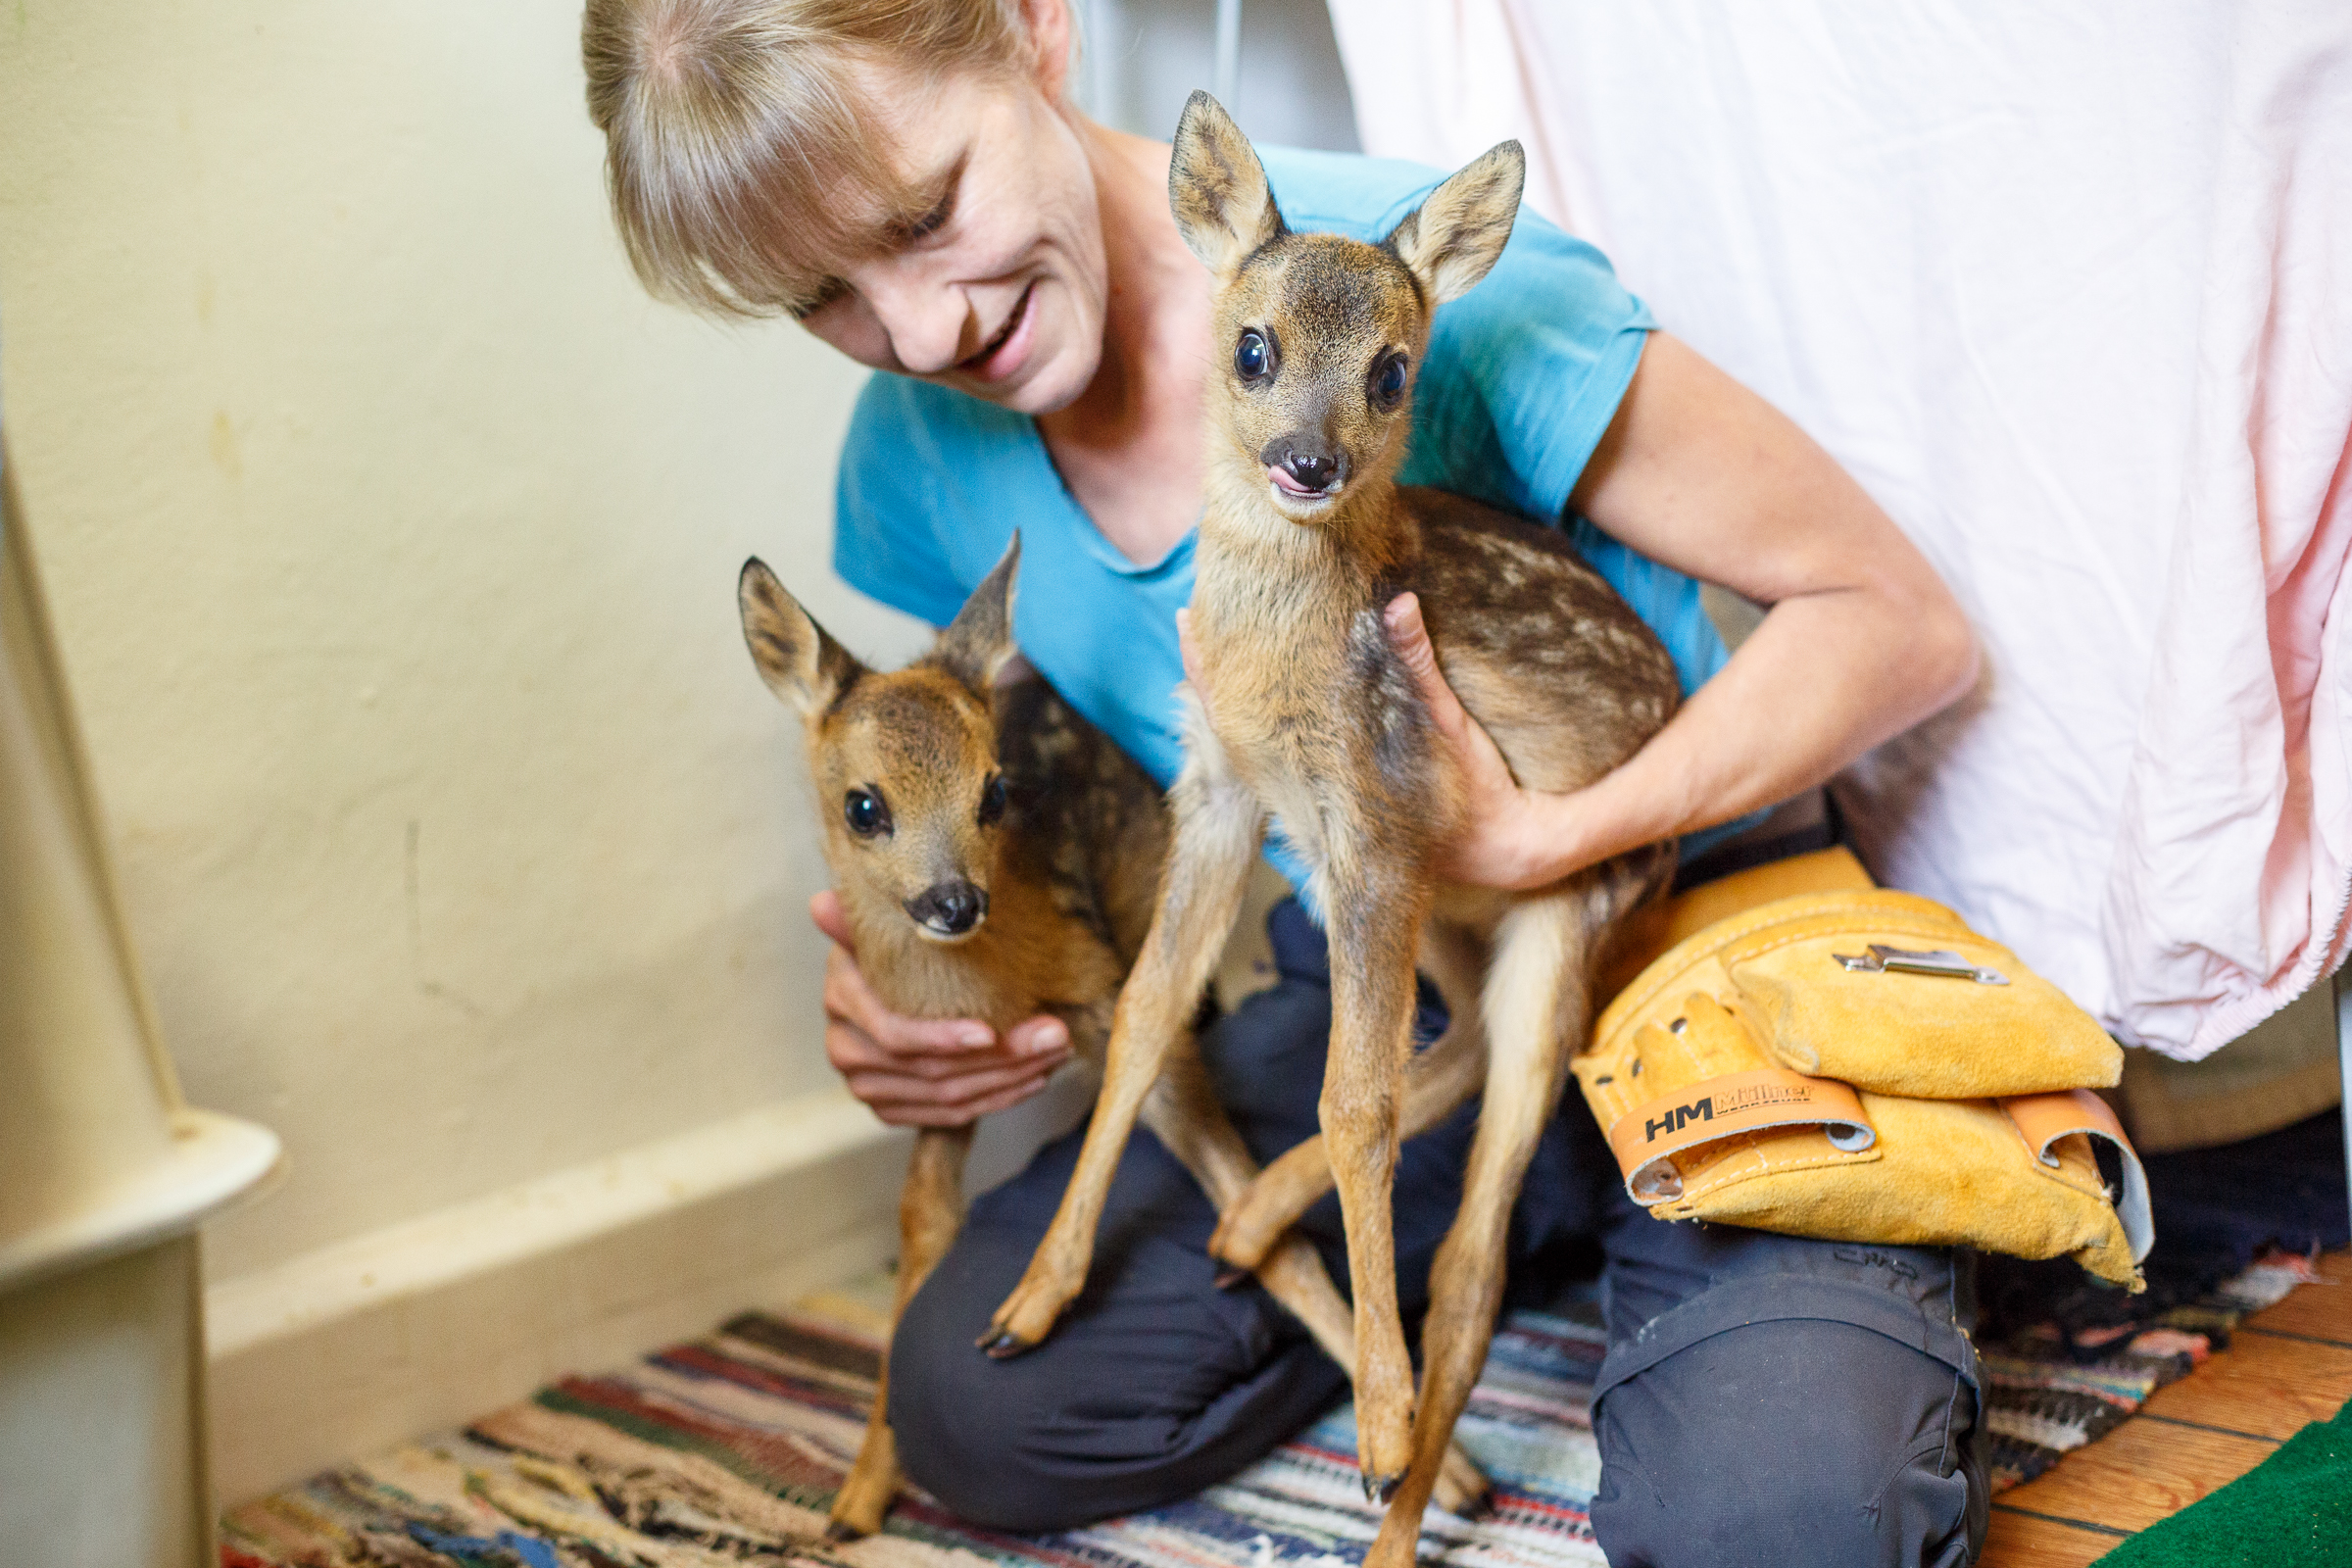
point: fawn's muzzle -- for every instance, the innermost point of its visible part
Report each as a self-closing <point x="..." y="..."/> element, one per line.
<point x="949" y="909"/>
<point x="1306" y="466"/>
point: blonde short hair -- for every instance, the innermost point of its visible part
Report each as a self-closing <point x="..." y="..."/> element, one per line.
<point x="736" y="151"/>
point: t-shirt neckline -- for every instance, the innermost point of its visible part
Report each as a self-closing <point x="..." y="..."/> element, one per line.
<point x="1089" y="536"/>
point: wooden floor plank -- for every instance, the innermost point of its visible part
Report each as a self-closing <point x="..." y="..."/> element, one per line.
<point x="2322" y="1311"/>
<point x="2263" y="1384"/>
<point x="2022" y="1541"/>
<point x="2140" y="1473"/>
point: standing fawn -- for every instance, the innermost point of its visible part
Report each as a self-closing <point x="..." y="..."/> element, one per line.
<point x="1304" y="712"/>
<point x="996" y="856"/>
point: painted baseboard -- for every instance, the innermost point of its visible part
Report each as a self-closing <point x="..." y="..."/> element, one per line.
<point x="420" y="1325"/>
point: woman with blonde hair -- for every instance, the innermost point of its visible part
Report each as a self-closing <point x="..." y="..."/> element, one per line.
<point x="908" y="180"/>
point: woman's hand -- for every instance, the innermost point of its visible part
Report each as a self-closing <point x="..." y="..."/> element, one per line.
<point x="925" y="1072"/>
<point x="1862" y="639"/>
<point x="1510" y="837"/>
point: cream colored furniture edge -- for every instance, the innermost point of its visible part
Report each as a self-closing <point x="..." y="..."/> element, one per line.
<point x="104" y="1170"/>
<point x="117" y="1365"/>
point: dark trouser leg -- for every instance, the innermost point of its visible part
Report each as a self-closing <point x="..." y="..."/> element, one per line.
<point x="1790" y="1402"/>
<point x="1155" y="1383"/>
<point x="1770" y="1401"/>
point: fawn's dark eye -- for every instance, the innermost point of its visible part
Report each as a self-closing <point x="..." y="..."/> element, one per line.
<point x="992" y="800"/>
<point x="865" y="814"/>
<point x="1387" y="381"/>
<point x="1251" y="357"/>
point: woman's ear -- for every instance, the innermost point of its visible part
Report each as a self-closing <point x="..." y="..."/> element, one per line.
<point x="1052" y="33"/>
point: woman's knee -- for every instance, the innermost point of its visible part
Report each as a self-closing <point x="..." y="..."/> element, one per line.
<point x="1154" y="1385"/>
<point x="1791" y="1442"/>
<point x="957" y="1418"/>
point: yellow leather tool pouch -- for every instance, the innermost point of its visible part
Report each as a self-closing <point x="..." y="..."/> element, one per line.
<point x="1857" y="1066"/>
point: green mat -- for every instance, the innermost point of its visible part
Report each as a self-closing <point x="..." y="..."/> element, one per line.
<point x="2292" y="1510"/>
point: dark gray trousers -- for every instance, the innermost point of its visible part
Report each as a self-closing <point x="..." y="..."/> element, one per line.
<point x="1765" y="1400"/>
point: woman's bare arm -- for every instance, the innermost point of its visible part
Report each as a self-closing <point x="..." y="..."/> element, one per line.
<point x="1862" y="639"/>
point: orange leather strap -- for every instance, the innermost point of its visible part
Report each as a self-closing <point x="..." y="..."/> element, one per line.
<point x="1644" y="1138"/>
<point x="2043" y="1119"/>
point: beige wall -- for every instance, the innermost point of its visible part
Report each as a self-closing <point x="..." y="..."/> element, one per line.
<point x="391" y="535"/>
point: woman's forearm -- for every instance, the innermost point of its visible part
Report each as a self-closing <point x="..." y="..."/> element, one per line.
<point x="1827" y="676"/>
<point x="1862" y="641"/>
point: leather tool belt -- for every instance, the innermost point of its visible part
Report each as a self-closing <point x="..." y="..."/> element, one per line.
<point x="1855" y="1064"/>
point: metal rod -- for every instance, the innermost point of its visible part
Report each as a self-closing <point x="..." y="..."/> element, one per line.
<point x="1102" y="82"/>
<point x="1227" y="84"/>
<point x="2343" y="1045"/>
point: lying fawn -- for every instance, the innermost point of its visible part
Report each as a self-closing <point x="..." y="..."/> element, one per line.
<point x="1304" y="712"/>
<point x="996" y="855"/>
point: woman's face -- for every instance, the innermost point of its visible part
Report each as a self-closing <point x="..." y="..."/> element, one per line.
<point x="996" y="287"/>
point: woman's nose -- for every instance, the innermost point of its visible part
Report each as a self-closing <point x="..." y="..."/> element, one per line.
<point x="925" y="319"/>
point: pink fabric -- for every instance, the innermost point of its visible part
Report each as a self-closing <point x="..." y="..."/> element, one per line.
<point x="2069" y="288"/>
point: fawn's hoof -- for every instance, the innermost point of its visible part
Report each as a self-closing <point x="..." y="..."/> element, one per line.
<point x="1030" y="1312"/>
<point x="1228" y="1278"/>
<point x="1461" y="1486"/>
<point x="1381" y="1487"/>
<point x="841" y="1532"/>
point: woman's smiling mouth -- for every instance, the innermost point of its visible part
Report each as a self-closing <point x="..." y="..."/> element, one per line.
<point x="1002" y="354"/>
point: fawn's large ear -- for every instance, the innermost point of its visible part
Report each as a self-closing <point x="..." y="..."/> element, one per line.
<point x="797" y="657"/>
<point x="1454" y="238"/>
<point x="1217" y="188"/>
<point x="977" y="646"/>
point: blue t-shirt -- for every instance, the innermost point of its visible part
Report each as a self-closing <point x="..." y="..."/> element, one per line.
<point x="1522" y="376"/>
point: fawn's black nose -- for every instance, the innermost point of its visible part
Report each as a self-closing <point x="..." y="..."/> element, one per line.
<point x="1315" y="471"/>
<point x="950" y="908"/>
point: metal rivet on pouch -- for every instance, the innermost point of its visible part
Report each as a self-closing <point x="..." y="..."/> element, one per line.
<point x="1849" y="1137"/>
<point x="1659" y="1184"/>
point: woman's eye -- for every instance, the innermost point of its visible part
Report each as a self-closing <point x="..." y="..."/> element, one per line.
<point x="1387" y="381"/>
<point x="824" y="294"/>
<point x="865" y="814"/>
<point x="992" y="800"/>
<point x="913" y="231"/>
<point x="932" y="222"/>
<point x="1251" y="357"/>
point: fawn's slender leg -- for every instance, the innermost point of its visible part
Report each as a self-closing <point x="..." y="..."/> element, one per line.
<point x="1437" y="1080"/>
<point x="930" y="1212"/>
<point x="1185" y="1116"/>
<point x="1376" y="905"/>
<point x="1217" y="827"/>
<point x="1537" y="1001"/>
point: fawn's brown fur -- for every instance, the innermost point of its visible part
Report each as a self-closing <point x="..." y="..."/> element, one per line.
<point x="1307" y="713"/>
<point x="1004" y="866"/>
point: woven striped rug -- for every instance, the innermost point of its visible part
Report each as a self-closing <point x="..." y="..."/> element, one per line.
<point x="728" y="1449"/>
<point x="2046" y="1398"/>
